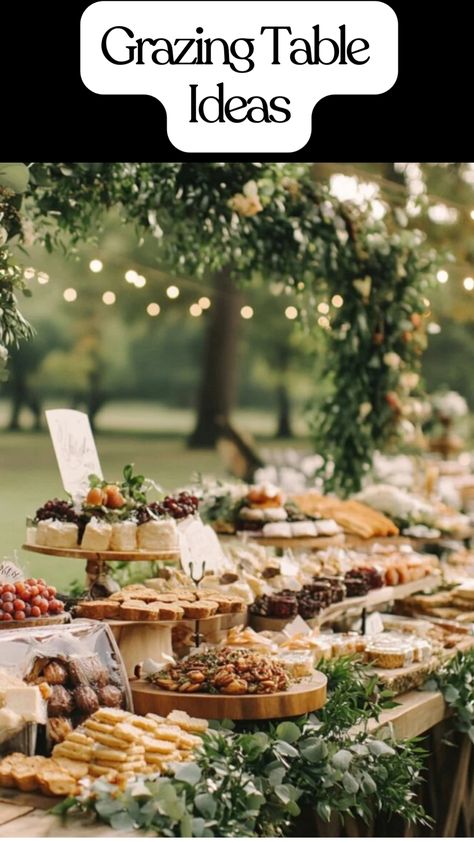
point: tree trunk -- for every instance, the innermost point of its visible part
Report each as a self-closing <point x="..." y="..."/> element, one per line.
<point x="217" y="389"/>
<point x="283" y="430"/>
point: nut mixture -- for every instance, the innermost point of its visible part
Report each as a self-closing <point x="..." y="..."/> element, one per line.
<point x="227" y="671"/>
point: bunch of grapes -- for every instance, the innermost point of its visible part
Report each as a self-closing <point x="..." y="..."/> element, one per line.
<point x="177" y="507"/>
<point x="31" y="598"/>
<point x="58" y="510"/>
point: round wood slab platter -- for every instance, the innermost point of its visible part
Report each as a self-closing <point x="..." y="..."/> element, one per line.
<point x="300" y="698"/>
<point x="106" y="555"/>
<point x="32" y="622"/>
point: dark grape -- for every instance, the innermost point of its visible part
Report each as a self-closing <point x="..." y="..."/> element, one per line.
<point x="57" y="509"/>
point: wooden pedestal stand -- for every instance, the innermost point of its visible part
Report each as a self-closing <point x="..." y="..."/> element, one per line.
<point x="98" y="562"/>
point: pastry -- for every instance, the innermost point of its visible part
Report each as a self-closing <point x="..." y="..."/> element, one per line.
<point x="60" y="702"/>
<point x="42" y="530"/>
<point x="389" y="656"/>
<point x="59" y="727"/>
<point x="87" y="669"/>
<point x="136" y="609"/>
<point x="252" y="515"/>
<point x="85" y="699"/>
<point x="158" y="535"/>
<point x="304" y="529"/>
<point x="282" y="606"/>
<point x="277" y="530"/>
<point x="167" y="611"/>
<point x="199" y="610"/>
<point x="124" y="536"/>
<point x="110" y="696"/>
<point x="55" y="673"/>
<point x="60" y="535"/>
<point x="327" y="528"/>
<point x="110" y="716"/>
<point x="98" y="609"/>
<point x="97" y="535"/>
<point x="186" y="722"/>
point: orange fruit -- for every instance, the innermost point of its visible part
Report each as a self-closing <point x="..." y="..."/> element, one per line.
<point x="115" y="500"/>
<point x="95" y="497"/>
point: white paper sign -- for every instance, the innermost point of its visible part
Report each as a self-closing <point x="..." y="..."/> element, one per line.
<point x="199" y="544"/>
<point x="9" y="572"/>
<point x="374" y="623"/>
<point x="297" y="626"/>
<point x="288" y="567"/>
<point x="74" y="447"/>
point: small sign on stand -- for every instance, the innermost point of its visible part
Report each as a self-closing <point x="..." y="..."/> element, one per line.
<point x="75" y="449"/>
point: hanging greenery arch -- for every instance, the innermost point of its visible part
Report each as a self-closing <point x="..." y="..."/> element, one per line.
<point x="274" y="220"/>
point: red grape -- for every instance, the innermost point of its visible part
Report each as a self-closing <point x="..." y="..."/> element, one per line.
<point x="52" y="591"/>
<point x="44" y="606"/>
<point x="7" y="588"/>
<point x="41" y="582"/>
<point x="19" y="615"/>
<point x="36" y="611"/>
<point x="31" y="581"/>
<point x="7" y="617"/>
<point x="34" y="591"/>
<point x="19" y="605"/>
<point x="1" y="614"/>
<point x="8" y="607"/>
<point x="37" y="600"/>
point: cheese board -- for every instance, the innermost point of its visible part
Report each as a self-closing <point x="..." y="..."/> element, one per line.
<point x="308" y="695"/>
<point x="106" y="555"/>
<point x="35" y="622"/>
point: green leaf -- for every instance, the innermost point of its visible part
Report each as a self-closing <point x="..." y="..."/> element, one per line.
<point x="189" y="773"/>
<point x="349" y="783"/>
<point x="286" y="749"/>
<point x="313" y="750"/>
<point x="122" y="821"/>
<point x="206" y="804"/>
<point x="288" y="731"/>
<point x="451" y="694"/>
<point x="378" y="748"/>
<point x="15" y="177"/>
<point x="341" y="760"/>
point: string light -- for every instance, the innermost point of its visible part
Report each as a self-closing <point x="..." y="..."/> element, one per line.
<point x="291" y="313"/>
<point x="323" y="321"/>
<point x="140" y="281"/>
<point x="472" y="214"/>
<point x="323" y="308"/>
<point x="43" y="277"/>
<point x="109" y="297"/>
<point x="433" y="328"/>
<point x="195" y="310"/>
<point x="131" y="276"/>
<point x="153" y="309"/>
<point x="204" y="302"/>
<point x="172" y="292"/>
<point x="468" y="284"/>
<point x="442" y="276"/>
<point x="29" y="273"/>
<point x="337" y="301"/>
<point x="96" y="266"/>
<point x="69" y="294"/>
<point x="246" y="312"/>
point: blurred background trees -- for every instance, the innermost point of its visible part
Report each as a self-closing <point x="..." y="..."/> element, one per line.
<point x="102" y="338"/>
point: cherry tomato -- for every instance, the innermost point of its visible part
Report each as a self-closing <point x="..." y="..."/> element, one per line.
<point x="8" y="607"/>
<point x="36" y="611"/>
<point x="19" y="605"/>
<point x="19" y="615"/>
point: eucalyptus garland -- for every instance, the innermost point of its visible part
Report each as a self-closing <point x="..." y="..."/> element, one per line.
<point x="455" y="680"/>
<point x="255" y="781"/>
<point x="275" y="221"/>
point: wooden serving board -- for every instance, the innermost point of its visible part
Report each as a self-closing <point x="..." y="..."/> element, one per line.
<point x="295" y="543"/>
<point x="33" y="622"/>
<point x="375" y="597"/>
<point x="106" y="555"/>
<point x="301" y="698"/>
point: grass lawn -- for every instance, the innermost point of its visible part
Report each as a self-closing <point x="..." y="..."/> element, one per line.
<point x="151" y="436"/>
